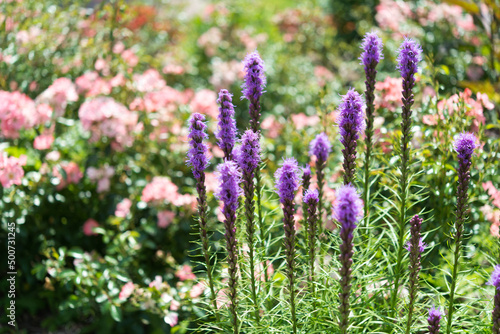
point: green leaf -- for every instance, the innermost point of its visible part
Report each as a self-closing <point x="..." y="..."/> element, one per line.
<point x="116" y="313"/>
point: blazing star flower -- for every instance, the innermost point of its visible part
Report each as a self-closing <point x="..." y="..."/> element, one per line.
<point x="495" y="277"/>
<point x="253" y="87"/>
<point x="372" y="50"/>
<point x="433" y="320"/>
<point x="465" y="143"/>
<point x="248" y="155"/>
<point x="320" y="147"/>
<point x="229" y="190"/>
<point x="287" y="180"/>
<point x="409" y="55"/>
<point x="198" y="157"/>
<point x="226" y="133"/>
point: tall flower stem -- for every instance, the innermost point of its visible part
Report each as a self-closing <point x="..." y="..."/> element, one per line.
<point x="311" y="200"/>
<point x="306" y="183"/>
<point x="464" y="146"/>
<point x="415" y="246"/>
<point x="347" y="212"/>
<point x="370" y="57"/>
<point x="229" y="192"/>
<point x="320" y="147"/>
<point x="495" y="315"/>
<point x="198" y="159"/>
<point x="408" y="58"/>
<point x="287" y="182"/>
<point x="248" y="157"/>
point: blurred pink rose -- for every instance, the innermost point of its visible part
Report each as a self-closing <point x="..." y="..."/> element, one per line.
<point x="11" y="171"/>
<point x="185" y="273"/>
<point x="126" y="291"/>
<point x="43" y="141"/>
<point x="165" y="218"/>
<point x="123" y="208"/>
<point x="204" y="102"/>
<point x="88" y="227"/>
<point x="73" y="174"/>
<point x="171" y="319"/>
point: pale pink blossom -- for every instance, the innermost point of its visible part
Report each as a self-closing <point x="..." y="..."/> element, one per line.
<point x="130" y="58"/>
<point x="149" y="81"/>
<point x="174" y="305"/>
<point x="173" y="69"/>
<point x="185" y="273"/>
<point x="165" y="218"/>
<point x="171" y="319"/>
<point x="102" y="175"/>
<point x="17" y="111"/>
<point x="88" y="227"/>
<point x="123" y="208"/>
<point x="210" y="41"/>
<point x="323" y="75"/>
<point x="197" y="290"/>
<point x="11" y="170"/>
<point x="161" y="189"/>
<point x="204" y="102"/>
<point x="301" y="120"/>
<point x="43" y="141"/>
<point x="58" y="95"/>
<point x="126" y="291"/>
<point x="72" y="171"/>
<point x="389" y="93"/>
<point x="272" y="125"/>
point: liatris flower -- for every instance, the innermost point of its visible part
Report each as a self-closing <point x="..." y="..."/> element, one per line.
<point x="495" y="316"/>
<point x="198" y="159"/>
<point x="227" y="131"/>
<point x="229" y="192"/>
<point x="320" y="147"/>
<point x="253" y="87"/>
<point x="306" y="183"/>
<point x="311" y="199"/>
<point x="347" y="212"/>
<point x="248" y="158"/>
<point x="408" y="58"/>
<point x="287" y="183"/>
<point x="465" y="144"/>
<point x="415" y="246"/>
<point x="351" y="123"/>
<point x="433" y="320"/>
<point x="370" y="57"/>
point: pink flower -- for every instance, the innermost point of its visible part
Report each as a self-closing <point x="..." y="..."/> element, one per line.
<point x="272" y="125"/>
<point x="301" y="120"/>
<point x="17" y="111"/>
<point x="126" y="291"/>
<point x="58" y="95"/>
<point x="165" y="218"/>
<point x="323" y="75"/>
<point x="390" y="93"/>
<point x="204" y="102"/>
<point x="161" y="189"/>
<point x="102" y="175"/>
<point x="130" y="58"/>
<point x="149" y="81"/>
<point x="174" y="305"/>
<point x="11" y="171"/>
<point x="88" y="227"/>
<point x="156" y="283"/>
<point x="197" y="290"/>
<point x="123" y="208"/>
<point x="185" y="273"/>
<point x="173" y="69"/>
<point x="171" y="319"/>
<point x="73" y="174"/>
<point x="493" y="192"/>
<point x="43" y="141"/>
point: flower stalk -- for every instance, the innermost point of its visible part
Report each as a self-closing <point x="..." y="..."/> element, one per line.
<point x="311" y="199"/>
<point x="415" y="247"/>
<point x="226" y="132"/>
<point x="464" y="144"/>
<point x="320" y="147"/>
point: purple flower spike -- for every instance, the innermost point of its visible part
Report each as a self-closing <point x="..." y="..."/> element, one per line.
<point x="409" y="55"/>
<point x="287" y="180"/>
<point x="433" y="320"/>
<point x="198" y="157"/>
<point x="311" y="199"/>
<point x="248" y="154"/>
<point x="372" y="50"/>
<point x="347" y="211"/>
<point x="320" y="147"/>
<point x="495" y="316"/>
<point x="415" y="246"/>
<point x="226" y="133"/>
<point x="253" y="87"/>
<point x="228" y="192"/>
<point x="465" y="143"/>
<point x="351" y="123"/>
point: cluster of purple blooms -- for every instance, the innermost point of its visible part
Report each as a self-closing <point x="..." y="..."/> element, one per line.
<point x="241" y="165"/>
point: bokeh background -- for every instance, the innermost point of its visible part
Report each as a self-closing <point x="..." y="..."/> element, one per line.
<point x="94" y="99"/>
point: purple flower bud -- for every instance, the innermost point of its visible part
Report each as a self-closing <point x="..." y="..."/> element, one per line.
<point x="306" y="172"/>
<point x="287" y="180"/>
<point x="349" y="207"/>
<point x="248" y="154"/>
<point x="372" y="50"/>
<point x="433" y="320"/>
<point x="253" y="87"/>
<point x="226" y="133"/>
<point x="311" y="197"/>
<point x="320" y="147"/>
<point x="465" y="143"/>
<point x="409" y="55"/>
<point x="421" y="246"/>
<point x="495" y="277"/>
<point x="198" y="157"/>
<point x="229" y="190"/>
